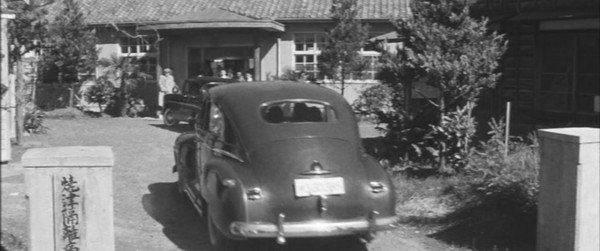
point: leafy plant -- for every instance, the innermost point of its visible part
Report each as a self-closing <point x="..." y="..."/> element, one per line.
<point x="515" y="177"/>
<point x="449" y="144"/>
<point x="374" y="100"/>
<point x="124" y="75"/>
<point x="100" y="93"/>
<point x="33" y="121"/>
<point x="447" y="50"/>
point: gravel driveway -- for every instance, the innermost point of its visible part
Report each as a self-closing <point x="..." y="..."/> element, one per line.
<point x="149" y="213"/>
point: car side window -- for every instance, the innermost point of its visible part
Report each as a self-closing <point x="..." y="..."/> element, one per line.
<point x="227" y="141"/>
<point x="216" y="123"/>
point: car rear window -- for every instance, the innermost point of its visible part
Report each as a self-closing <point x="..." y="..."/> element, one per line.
<point x="297" y="112"/>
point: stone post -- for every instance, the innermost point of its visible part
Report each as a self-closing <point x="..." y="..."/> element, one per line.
<point x="568" y="205"/>
<point x="70" y="198"/>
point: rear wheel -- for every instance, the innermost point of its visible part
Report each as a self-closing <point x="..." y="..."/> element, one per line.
<point x="168" y="118"/>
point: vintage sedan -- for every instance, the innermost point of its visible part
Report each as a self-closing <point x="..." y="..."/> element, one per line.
<point x="281" y="160"/>
<point x="185" y="105"/>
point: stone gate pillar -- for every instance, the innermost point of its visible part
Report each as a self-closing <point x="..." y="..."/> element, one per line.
<point x="70" y="198"/>
<point x="568" y="205"/>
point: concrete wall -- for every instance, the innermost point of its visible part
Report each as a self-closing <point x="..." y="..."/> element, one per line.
<point x="568" y="204"/>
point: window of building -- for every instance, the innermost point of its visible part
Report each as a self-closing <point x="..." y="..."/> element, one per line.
<point x="142" y="52"/>
<point x="569" y="78"/>
<point x="307" y="47"/>
<point x="372" y="67"/>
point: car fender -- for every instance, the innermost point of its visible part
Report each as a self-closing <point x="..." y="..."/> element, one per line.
<point x="182" y="139"/>
<point x="226" y="201"/>
<point x="383" y="202"/>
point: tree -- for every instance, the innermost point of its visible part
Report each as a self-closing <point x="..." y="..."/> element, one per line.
<point x="71" y="45"/>
<point x="100" y="93"/>
<point x="26" y="33"/>
<point x="340" y="57"/>
<point x="125" y="75"/>
<point x="452" y="52"/>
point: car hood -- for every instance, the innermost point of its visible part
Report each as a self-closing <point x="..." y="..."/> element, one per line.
<point x="278" y="164"/>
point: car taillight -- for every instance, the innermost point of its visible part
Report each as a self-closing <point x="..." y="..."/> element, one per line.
<point x="254" y="194"/>
<point x="376" y="187"/>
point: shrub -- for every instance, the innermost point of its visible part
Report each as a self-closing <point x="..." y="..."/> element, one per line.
<point x="100" y="93"/>
<point x="513" y="179"/>
<point x="33" y="120"/>
<point x="447" y="146"/>
<point x="446" y="50"/>
<point x="374" y="100"/>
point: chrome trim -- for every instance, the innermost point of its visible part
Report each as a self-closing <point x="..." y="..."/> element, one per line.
<point x="313" y="228"/>
<point x="371" y="219"/>
<point x="228" y="183"/>
<point x="280" y="223"/>
<point x="316" y="169"/>
<point x="254" y="193"/>
<point x="376" y="187"/>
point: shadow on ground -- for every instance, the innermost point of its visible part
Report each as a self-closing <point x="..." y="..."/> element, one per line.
<point x="490" y="228"/>
<point x="186" y="229"/>
<point x="179" y="128"/>
<point x="181" y="223"/>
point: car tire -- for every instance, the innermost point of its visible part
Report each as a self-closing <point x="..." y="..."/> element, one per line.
<point x="168" y="118"/>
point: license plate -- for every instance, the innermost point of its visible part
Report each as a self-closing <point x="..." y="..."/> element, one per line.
<point x="319" y="186"/>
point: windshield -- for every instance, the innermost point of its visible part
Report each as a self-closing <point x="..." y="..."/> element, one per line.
<point x="297" y="112"/>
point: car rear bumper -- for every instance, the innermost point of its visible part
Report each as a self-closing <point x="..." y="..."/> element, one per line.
<point x="283" y="229"/>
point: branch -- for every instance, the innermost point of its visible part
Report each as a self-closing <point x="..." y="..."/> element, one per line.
<point x="137" y="35"/>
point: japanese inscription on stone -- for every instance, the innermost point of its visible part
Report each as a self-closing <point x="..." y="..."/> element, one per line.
<point x="68" y="213"/>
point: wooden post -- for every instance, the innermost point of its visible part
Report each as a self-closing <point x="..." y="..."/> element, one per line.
<point x="568" y="205"/>
<point x="69" y="190"/>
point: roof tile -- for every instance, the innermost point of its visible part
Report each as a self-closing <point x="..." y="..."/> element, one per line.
<point x="140" y="11"/>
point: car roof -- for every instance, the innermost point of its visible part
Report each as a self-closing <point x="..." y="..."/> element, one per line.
<point x="209" y="79"/>
<point x="241" y="104"/>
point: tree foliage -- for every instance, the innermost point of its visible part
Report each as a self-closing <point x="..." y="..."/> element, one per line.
<point x="28" y="30"/>
<point x="340" y="56"/>
<point x="101" y="92"/>
<point x="447" y="49"/>
<point x="71" y="45"/>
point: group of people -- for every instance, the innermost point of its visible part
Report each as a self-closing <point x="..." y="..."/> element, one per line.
<point x="239" y="76"/>
<point x="167" y="85"/>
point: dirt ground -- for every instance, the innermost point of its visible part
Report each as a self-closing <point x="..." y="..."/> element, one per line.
<point x="149" y="214"/>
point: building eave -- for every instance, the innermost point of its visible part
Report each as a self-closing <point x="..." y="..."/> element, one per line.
<point x="222" y="24"/>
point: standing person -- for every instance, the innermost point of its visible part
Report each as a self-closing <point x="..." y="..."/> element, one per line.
<point x="167" y="85"/>
<point x="249" y="77"/>
<point x="223" y="74"/>
<point x="239" y="76"/>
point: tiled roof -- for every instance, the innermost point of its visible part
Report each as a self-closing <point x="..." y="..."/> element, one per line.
<point x="141" y="11"/>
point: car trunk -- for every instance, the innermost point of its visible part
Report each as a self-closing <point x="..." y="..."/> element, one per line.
<point x="278" y="164"/>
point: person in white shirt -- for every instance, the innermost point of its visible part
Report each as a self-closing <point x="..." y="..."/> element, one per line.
<point x="167" y="85"/>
